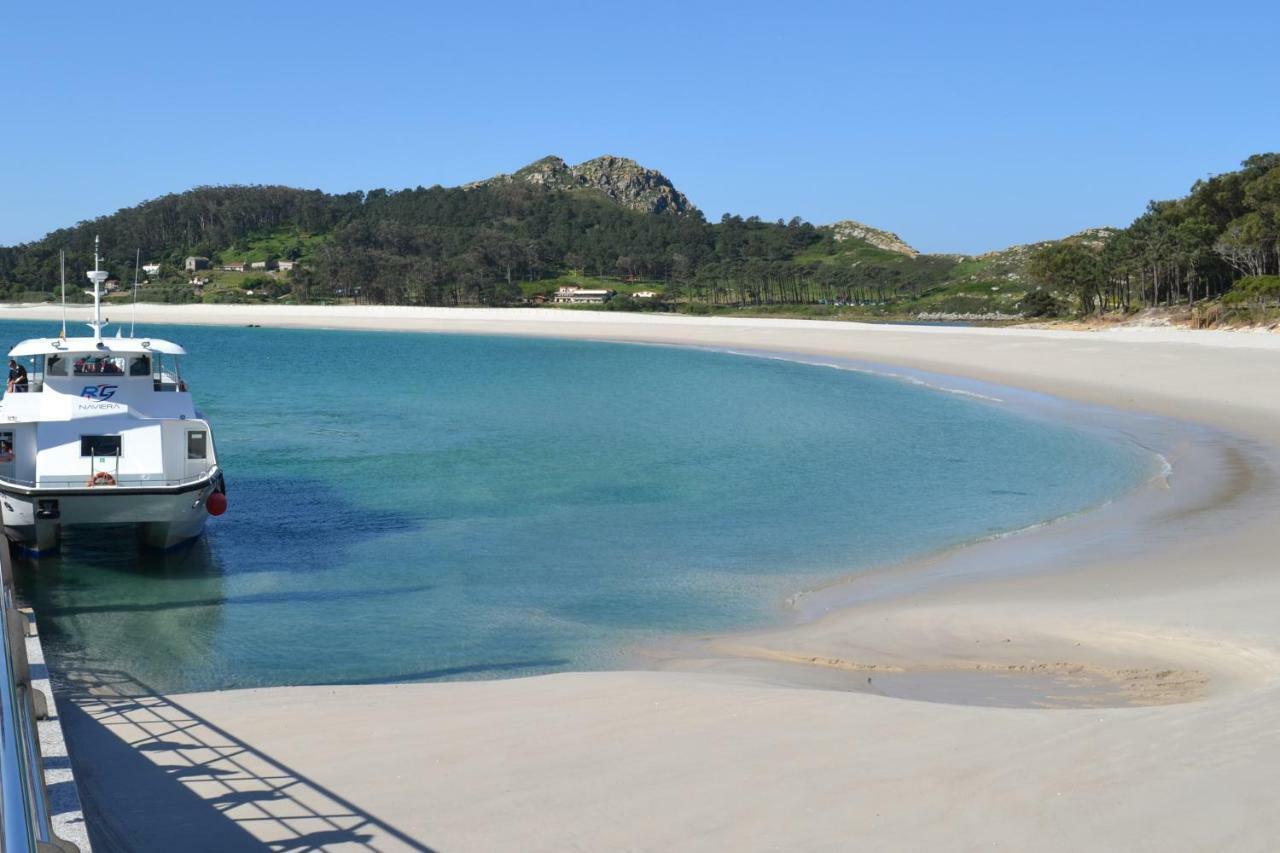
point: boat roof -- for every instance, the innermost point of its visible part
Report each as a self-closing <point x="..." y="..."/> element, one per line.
<point x="50" y="346"/>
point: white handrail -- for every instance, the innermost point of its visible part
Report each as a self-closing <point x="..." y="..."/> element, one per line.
<point x="138" y="481"/>
<point x="24" y="803"/>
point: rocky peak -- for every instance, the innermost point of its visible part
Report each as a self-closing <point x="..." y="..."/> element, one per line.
<point x="549" y="171"/>
<point x="850" y="230"/>
<point x="631" y="185"/>
<point x="619" y="179"/>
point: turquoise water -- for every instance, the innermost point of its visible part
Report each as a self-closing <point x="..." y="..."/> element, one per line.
<point x="408" y="506"/>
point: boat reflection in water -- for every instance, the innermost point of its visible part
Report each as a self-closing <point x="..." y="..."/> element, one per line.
<point x="108" y="613"/>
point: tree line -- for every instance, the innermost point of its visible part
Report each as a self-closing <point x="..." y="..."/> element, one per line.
<point x="1227" y="229"/>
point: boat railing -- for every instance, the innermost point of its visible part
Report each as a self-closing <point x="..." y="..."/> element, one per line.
<point x="123" y="481"/>
<point x="24" y="800"/>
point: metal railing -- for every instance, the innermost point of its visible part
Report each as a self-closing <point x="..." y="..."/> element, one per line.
<point x="24" y="802"/>
<point x="136" y="481"/>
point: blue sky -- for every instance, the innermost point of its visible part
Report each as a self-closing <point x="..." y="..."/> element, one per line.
<point x="962" y="127"/>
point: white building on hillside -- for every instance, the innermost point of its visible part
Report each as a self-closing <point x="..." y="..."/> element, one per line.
<point x="582" y="296"/>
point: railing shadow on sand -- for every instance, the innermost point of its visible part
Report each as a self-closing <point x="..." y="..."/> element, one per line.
<point x="156" y="776"/>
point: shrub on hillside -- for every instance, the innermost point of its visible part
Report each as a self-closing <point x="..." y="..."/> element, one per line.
<point x="624" y="302"/>
<point x="226" y="296"/>
<point x="256" y="282"/>
<point x="1040" y="303"/>
<point x="961" y="303"/>
<point x="1257" y="290"/>
<point x="1207" y="316"/>
<point x="177" y="294"/>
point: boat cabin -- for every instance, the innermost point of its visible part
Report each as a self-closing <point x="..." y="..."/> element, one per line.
<point x="82" y="367"/>
<point x="116" y="405"/>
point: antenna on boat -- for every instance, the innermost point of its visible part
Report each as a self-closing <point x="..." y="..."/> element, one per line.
<point x="134" y="322"/>
<point x="62" y="257"/>
<point x="97" y="276"/>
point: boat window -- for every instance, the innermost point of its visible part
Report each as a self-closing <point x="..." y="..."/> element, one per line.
<point x="139" y="365"/>
<point x="6" y="449"/>
<point x="196" y="442"/>
<point x="99" y="445"/>
<point x="166" y="373"/>
<point x="56" y="365"/>
<point x="99" y="365"/>
<point x="33" y="380"/>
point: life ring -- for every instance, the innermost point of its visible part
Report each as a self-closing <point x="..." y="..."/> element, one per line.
<point x="102" y="478"/>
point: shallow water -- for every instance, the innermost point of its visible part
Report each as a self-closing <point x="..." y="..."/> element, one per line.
<point x="412" y="506"/>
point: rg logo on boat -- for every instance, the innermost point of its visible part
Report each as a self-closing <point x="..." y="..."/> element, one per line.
<point x="99" y="392"/>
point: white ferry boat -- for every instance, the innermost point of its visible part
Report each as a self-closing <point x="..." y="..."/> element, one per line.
<point x="98" y="430"/>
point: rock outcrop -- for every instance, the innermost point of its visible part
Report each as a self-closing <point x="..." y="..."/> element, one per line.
<point x="850" y="230"/>
<point x="549" y="171"/>
<point x="619" y="179"/>
<point x="1011" y="264"/>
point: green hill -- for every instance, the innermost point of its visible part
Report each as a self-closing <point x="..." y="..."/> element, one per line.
<point x="612" y="223"/>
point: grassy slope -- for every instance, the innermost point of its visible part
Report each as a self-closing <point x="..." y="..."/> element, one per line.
<point x="277" y="244"/>
<point x="950" y="284"/>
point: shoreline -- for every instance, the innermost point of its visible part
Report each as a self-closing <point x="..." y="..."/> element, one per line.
<point x="1051" y="545"/>
<point x="868" y="342"/>
<point x="1197" y="598"/>
<point x="1232" y="469"/>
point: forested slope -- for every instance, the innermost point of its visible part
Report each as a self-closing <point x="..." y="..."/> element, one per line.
<point x="612" y="222"/>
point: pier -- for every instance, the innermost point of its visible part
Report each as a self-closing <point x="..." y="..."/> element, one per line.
<point x="40" y="809"/>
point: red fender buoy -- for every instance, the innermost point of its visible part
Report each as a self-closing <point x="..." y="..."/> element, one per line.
<point x="216" y="503"/>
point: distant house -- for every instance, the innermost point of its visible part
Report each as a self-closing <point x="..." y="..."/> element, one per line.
<point x="111" y="285"/>
<point x="200" y="280"/>
<point x="286" y="266"/>
<point x="194" y="263"/>
<point x="233" y="267"/>
<point x="582" y="296"/>
<point x="262" y="265"/>
<point x="645" y="294"/>
<point x="151" y="269"/>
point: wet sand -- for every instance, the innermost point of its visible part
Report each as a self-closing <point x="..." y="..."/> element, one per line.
<point x="1108" y="683"/>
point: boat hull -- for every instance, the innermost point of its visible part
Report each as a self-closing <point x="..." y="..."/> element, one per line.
<point x="34" y="518"/>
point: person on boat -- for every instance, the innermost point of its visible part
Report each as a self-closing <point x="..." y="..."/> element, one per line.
<point x="6" y="451"/>
<point x="17" y="377"/>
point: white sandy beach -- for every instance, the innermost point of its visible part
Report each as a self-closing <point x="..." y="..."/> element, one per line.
<point x="1176" y="639"/>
